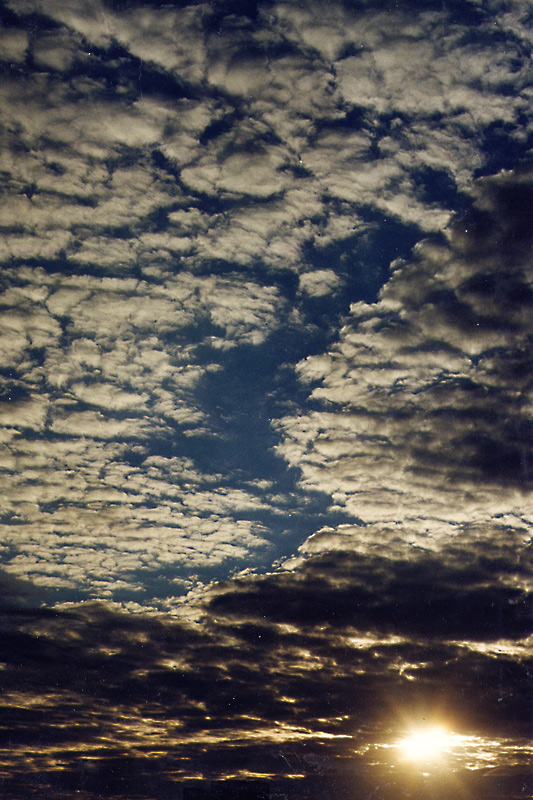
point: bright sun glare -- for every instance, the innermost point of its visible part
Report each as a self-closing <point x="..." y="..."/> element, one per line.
<point x="425" y="744"/>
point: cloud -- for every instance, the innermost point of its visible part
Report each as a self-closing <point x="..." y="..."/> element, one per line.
<point x="257" y="174"/>
<point x="14" y="44"/>
<point x="420" y="410"/>
<point x="319" y="283"/>
<point x="176" y="165"/>
<point x="90" y="505"/>
<point x="285" y="111"/>
<point x="194" y="201"/>
<point x="421" y="597"/>
<point x="241" y="695"/>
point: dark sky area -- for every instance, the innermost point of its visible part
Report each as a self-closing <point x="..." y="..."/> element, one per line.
<point x="265" y="411"/>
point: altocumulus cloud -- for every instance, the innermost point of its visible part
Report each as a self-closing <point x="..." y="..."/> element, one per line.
<point x="419" y="416"/>
<point x="210" y="366"/>
<point x="110" y="378"/>
<point x="186" y="182"/>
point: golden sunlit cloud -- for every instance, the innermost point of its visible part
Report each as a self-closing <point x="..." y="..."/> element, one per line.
<point x="433" y="747"/>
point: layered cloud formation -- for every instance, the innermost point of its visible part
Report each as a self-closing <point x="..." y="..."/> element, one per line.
<point x="421" y="414"/>
<point x="265" y="359"/>
<point x="417" y="611"/>
<point x="192" y="198"/>
<point x="314" y="674"/>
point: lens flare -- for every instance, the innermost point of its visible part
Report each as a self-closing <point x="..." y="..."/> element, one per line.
<point x="425" y="744"/>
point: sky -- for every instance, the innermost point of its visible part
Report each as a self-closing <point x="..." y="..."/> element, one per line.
<point x="265" y="411"/>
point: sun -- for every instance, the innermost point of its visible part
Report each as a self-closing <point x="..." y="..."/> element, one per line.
<point x="425" y="743"/>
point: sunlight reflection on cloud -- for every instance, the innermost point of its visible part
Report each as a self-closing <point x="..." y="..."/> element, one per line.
<point x="435" y="749"/>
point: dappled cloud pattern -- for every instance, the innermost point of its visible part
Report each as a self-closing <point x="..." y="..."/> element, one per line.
<point x="188" y="189"/>
<point x="421" y="414"/>
<point x="265" y="413"/>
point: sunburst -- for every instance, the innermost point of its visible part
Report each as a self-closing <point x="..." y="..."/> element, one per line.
<point x="426" y="743"/>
